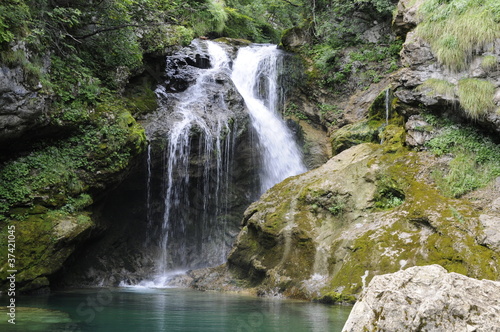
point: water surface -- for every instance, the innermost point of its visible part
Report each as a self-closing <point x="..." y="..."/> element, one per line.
<point x="171" y="309"/>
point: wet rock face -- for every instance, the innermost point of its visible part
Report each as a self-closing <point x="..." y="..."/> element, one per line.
<point x="182" y="68"/>
<point x="426" y="298"/>
<point x="21" y="107"/>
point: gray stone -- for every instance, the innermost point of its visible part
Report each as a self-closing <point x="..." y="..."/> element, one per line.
<point x="418" y="131"/>
<point x="406" y="17"/>
<point x="426" y="298"/>
<point x="491" y="231"/>
<point x="21" y="107"/>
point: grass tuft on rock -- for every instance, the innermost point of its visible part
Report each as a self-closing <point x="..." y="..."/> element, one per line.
<point x="476" y="96"/>
<point x="434" y="87"/>
<point x="489" y="63"/>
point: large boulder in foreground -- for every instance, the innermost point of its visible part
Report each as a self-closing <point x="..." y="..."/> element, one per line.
<point x="427" y="298"/>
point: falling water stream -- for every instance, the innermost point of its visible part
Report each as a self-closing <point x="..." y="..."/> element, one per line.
<point x="197" y="132"/>
<point x="255" y="74"/>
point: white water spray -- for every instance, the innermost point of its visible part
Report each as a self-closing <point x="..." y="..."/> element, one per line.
<point x="255" y="68"/>
<point x="190" y="112"/>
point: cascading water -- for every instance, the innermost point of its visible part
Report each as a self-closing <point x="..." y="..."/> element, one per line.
<point x="255" y="73"/>
<point x="200" y="148"/>
<point x="194" y="191"/>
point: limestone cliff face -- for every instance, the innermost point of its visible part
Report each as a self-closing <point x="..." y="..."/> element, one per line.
<point x="22" y="107"/>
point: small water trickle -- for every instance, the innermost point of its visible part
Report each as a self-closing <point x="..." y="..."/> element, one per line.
<point x="387" y="105"/>
<point x="149" y="218"/>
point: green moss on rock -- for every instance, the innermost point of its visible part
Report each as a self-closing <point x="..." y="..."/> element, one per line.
<point x="43" y="242"/>
<point x="356" y="133"/>
<point x="393" y="219"/>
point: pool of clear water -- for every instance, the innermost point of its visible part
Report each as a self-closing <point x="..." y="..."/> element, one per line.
<point x="168" y="309"/>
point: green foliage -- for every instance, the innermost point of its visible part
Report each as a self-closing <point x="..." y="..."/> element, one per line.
<point x="13" y="17"/>
<point x="241" y="26"/>
<point x="455" y="28"/>
<point x="260" y="21"/>
<point x="476" y="96"/>
<point x="365" y="63"/>
<point x="489" y="63"/>
<point x="334" y="22"/>
<point x="75" y="204"/>
<point x="389" y="194"/>
<point x="161" y="36"/>
<point x="476" y="159"/>
<point x="72" y="81"/>
<point x="462" y="176"/>
<point x="212" y="19"/>
<point x="338" y="206"/>
<point x="292" y="109"/>
<point x="327" y="108"/>
<point x="435" y="87"/>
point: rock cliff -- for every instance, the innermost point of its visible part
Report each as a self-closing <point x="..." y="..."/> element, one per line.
<point x="464" y="85"/>
<point x="22" y="107"/>
<point x="327" y="233"/>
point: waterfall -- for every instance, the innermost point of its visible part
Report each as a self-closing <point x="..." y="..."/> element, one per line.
<point x="200" y="137"/>
<point x="255" y="74"/>
<point x="197" y="164"/>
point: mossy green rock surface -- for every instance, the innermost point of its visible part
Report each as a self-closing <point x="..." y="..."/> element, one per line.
<point x="325" y="234"/>
<point x="42" y="243"/>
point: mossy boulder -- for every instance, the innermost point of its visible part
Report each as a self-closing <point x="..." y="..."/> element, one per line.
<point x="295" y="38"/>
<point x="325" y="234"/>
<point x="43" y="241"/>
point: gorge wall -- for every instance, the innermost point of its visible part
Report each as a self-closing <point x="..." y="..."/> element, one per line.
<point x="407" y="175"/>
